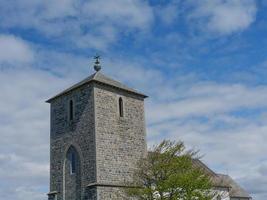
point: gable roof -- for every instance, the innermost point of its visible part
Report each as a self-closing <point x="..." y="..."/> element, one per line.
<point x="221" y="180"/>
<point x="100" y="78"/>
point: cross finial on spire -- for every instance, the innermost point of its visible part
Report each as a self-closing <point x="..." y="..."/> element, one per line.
<point x="97" y="65"/>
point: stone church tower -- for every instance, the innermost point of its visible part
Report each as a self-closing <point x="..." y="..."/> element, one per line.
<point x="97" y="136"/>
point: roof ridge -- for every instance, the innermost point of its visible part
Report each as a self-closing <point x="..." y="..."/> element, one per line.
<point x="205" y="166"/>
<point x="101" y="78"/>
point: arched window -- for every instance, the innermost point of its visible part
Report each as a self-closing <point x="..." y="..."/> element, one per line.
<point x="121" y="107"/>
<point x="70" y="110"/>
<point x="73" y="159"/>
<point x="72" y="175"/>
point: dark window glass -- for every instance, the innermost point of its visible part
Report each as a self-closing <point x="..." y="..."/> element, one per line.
<point x="121" y="107"/>
<point x="71" y="110"/>
<point x="73" y="163"/>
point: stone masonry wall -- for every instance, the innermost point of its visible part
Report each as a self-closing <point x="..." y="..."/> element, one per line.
<point x="79" y="132"/>
<point x="72" y="181"/>
<point x="112" y="193"/>
<point x="109" y="146"/>
<point x="120" y="141"/>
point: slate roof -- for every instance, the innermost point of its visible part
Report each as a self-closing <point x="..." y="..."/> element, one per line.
<point x="100" y="78"/>
<point x="215" y="179"/>
<point x="235" y="189"/>
<point x="198" y="163"/>
<point x="221" y="180"/>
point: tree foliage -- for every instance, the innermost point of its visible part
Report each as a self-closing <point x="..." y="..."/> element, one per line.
<point x="168" y="173"/>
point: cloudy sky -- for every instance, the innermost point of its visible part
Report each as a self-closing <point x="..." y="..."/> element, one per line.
<point x="202" y="63"/>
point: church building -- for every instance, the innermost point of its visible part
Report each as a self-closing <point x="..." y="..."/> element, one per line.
<point x="97" y="136"/>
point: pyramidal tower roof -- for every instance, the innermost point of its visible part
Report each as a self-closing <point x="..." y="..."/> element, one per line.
<point x="98" y="77"/>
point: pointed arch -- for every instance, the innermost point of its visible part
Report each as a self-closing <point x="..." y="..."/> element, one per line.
<point x="72" y="174"/>
<point x="73" y="157"/>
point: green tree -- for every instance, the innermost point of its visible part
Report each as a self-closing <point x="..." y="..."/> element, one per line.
<point x="168" y="173"/>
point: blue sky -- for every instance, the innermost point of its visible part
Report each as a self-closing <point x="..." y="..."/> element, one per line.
<point x="202" y="63"/>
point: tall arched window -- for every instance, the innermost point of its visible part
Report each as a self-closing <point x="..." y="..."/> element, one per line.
<point x="121" y="107"/>
<point x="71" y="110"/>
<point x="72" y="175"/>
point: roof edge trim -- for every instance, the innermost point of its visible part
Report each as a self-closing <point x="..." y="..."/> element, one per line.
<point x="90" y="81"/>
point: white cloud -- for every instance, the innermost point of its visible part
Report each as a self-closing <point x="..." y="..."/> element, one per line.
<point x="24" y="128"/>
<point x="255" y="182"/>
<point x="209" y="99"/>
<point x="23" y="193"/>
<point x="78" y="21"/>
<point x="103" y="37"/>
<point x="14" y="50"/>
<point x="58" y="9"/>
<point x="127" y="13"/>
<point x="224" y="16"/>
<point x="167" y="13"/>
